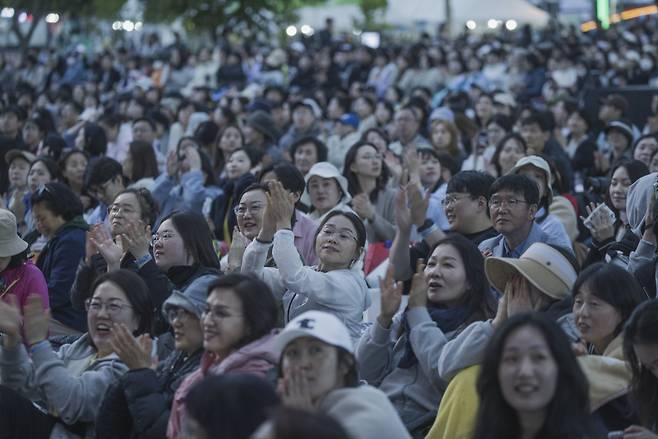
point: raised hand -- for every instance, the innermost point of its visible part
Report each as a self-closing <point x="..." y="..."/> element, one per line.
<point x="282" y="205"/>
<point x="10" y="321"/>
<point x="391" y="297"/>
<point x="36" y="320"/>
<point x="103" y="242"/>
<point x="402" y="212"/>
<point x="173" y="164"/>
<point x="418" y="292"/>
<point x="294" y="389"/>
<point x="363" y="207"/>
<point x="518" y="292"/>
<point x="418" y="203"/>
<point x="239" y="243"/>
<point x="600" y="226"/>
<point x="134" y="352"/>
<point x="136" y="238"/>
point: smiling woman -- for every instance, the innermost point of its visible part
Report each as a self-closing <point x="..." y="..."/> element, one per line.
<point x="530" y="384"/>
<point x="74" y="378"/>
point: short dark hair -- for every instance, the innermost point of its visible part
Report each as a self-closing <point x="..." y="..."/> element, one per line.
<point x="101" y="170"/>
<point x="320" y="148"/>
<point x="59" y="199"/>
<point x="196" y="235"/>
<point x="259" y="309"/>
<point x="148" y="120"/>
<point x="538" y="119"/>
<point x="55" y="144"/>
<point x="206" y="132"/>
<point x="292" y="423"/>
<point x="231" y="405"/>
<point x="254" y="187"/>
<point x="137" y="293"/>
<point x="605" y="281"/>
<point x="518" y="184"/>
<point x="505" y="122"/>
<point x="147" y="204"/>
<point x="95" y="139"/>
<point x="288" y="175"/>
<point x="475" y="183"/>
<point x="50" y="164"/>
<point x="145" y="163"/>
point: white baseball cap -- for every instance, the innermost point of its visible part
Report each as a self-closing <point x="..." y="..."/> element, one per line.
<point x="315" y="324"/>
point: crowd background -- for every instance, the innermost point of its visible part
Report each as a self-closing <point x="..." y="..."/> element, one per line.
<point x="457" y="236"/>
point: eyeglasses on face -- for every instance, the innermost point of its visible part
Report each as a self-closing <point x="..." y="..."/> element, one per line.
<point x="453" y="199"/>
<point x="113" y="307"/>
<point x="512" y="203"/>
<point x="161" y="237"/>
<point x="177" y="313"/>
<point x="253" y="209"/>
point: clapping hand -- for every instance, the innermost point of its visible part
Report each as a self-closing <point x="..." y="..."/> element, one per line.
<point x="402" y="212"/>
<point x="10" y="321"/>
<point x="518" y="298"/>
<point x="101" y="239"/>
<point x="637" y="432"/>
<point x="418" y="203"/>
<point x="35" y="320"/>
<point x="391" y="297"/>
<point x="281" y="204"/>
<point x="134" y="352"/>
<point x="136" y="238"/>
<point x="418" y="292"/>
<point x="363" y="207"/>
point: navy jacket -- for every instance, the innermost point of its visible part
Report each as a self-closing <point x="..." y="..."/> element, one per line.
<point x="58" y="261"/>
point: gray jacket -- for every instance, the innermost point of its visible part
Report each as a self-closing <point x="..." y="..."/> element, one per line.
<point x="415" y="392"/>
<point x="69" y="383"/>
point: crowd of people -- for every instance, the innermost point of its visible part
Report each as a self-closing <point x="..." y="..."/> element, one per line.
<point x="436" y="239"/>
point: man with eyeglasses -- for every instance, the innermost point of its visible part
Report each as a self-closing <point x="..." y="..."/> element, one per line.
<point x="104" y="180"/>
<point x="466" y="207"/>
<point x="512" y="207"/>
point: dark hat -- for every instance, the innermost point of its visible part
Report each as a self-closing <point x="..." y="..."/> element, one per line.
<point x="260" y="104"/>
<point x="617" y="101"/>
<point x="263" y="123"/>
<point x="13" y="154"/>
<point x="622" y="126"/>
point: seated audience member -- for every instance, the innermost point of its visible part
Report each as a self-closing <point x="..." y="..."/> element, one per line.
<point x="238" y="177"/>
<point x="326" y="191"/>
<point x="91" y="139"/>
<point x="430" y="176"/>
<point x="42" y="170"/>
<point x="182" y="251"/>
<point x="104" y="181"/>
<point x="291" y="423"/>
<point x="600" y="313"/>
<point x="538" y="170"/>
<point x="303" y="227"/>
<point x="641" y="352"/>
<point x="616" y="239"/>
<point x="466" y="208"/>
<point x="228" y="140"/>
<point x="644" y="148"/>
<point x="513" y="205"/>
<point x="140" y="166"/>
<point x="399" y="356"/>
<point x="106" y="250"/>
<point x="230" y="405"/>
<point x="318" y="370"/>
<point x="558" y="407"/>
<point x="73" y="165"/>
<point x="508" y="151"/>
<point x="345" y="134"/>
<point x="307" y="152"/>
<point x="335" y="285"/>
<point x="188" y="181"/>
<point x="46" y="393"/>
<point x="372" y="199"/>
<point x="18" y="275"/>
<point x="619" y="136"/>
<point x="238" y="318"/>
<point x="139" y="403"/>
<point x="57" y="213"/>
<point x="18" y="163"/>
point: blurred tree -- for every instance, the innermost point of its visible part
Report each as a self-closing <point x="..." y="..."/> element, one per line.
<point x="38" y="9"/>
<point x="232" y="15"/>
<point x="369" y="9"/>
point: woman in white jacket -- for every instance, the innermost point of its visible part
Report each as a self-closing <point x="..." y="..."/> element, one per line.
<point x="336" y="285"/>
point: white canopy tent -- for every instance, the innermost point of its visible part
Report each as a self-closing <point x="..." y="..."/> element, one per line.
<point x="413" y="13"/>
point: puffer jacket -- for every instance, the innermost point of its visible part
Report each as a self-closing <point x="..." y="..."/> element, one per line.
<point x="138" y="405"/>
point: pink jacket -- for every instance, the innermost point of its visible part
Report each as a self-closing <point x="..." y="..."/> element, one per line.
<point x="258" y="357"/>
<point x="22" y="281"/>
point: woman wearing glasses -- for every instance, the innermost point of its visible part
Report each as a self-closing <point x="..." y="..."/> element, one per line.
<point x="47" y="393"/>
<point x="334" y="285"/>
<point x="139" y="404"/>
<point x="372" y="200"/>
<point x="238" y="321"/>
